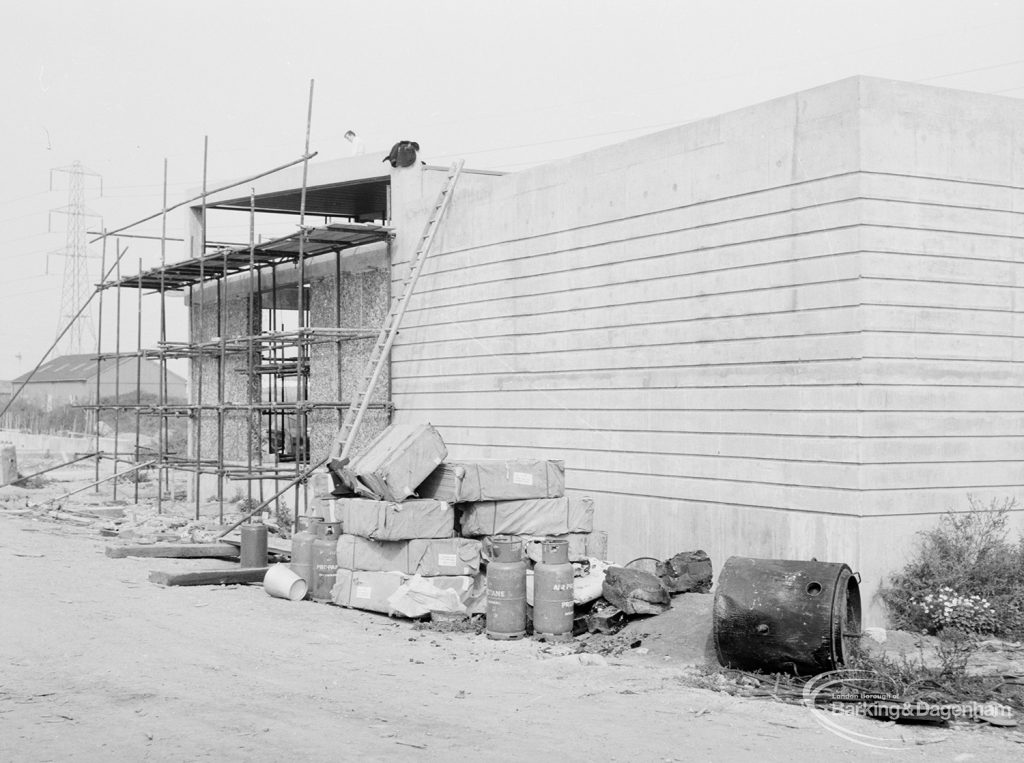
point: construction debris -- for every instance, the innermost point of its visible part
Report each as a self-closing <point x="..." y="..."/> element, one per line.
<point x="635" y="592"/>
<point x="686" y="572"/>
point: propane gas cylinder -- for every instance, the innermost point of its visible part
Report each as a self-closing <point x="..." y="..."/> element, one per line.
<point x="553" y="592"/>
<point x="325" y="560"/>
<point x="302" y="549"/>
<point x="506" y="589"/>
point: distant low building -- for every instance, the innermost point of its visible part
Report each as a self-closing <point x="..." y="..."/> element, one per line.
<point x="71" y="380"/>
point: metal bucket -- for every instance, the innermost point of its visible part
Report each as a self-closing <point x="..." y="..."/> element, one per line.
<point x="784" y="616"/>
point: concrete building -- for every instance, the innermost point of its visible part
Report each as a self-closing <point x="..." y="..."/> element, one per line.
<point x="71" y="380"/>
<point x="794" y="330"/>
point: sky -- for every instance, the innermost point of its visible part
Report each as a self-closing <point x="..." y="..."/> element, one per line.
<point x="505" y="84"/>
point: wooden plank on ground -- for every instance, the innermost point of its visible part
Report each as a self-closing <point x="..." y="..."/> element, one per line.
<point x="176" y="551"/>
<point x="230" y="576"/>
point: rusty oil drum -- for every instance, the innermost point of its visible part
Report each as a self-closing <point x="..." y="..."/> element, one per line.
<point x="784" y="616"/>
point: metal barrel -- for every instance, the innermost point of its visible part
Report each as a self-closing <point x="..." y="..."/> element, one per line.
<point x="785" y="616"/>
<point x="254" y="546"/>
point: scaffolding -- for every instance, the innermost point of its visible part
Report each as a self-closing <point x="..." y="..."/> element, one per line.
<point x="274" y="362"/>
<point x="271" y="361"/>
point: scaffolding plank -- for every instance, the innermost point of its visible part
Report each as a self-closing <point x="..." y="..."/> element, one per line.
<point x="231" y="576"/>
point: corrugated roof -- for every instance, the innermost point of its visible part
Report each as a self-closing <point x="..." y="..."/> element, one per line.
<point x="329" y="238"/>
<point x="69" y="368"/>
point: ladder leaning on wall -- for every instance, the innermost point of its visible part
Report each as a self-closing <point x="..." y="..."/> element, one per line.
<point x="379" y="356"/>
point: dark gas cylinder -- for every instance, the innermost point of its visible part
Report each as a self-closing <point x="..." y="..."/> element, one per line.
<point x="553" y="592"/>
<point x="254" y="545"/>
<point x="783" y="616"/>
<point x="325" y="560"/>
<point x="506" y="589"/>
<point x="302" y="549"/>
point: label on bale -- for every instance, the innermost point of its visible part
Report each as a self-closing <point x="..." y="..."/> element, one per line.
<point x="522" y="478"/>
<point x="364" y="592"/>
<point x="447" y="560"/>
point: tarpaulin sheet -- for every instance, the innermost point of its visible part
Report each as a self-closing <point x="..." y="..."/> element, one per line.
<point x="362" y="589"/>
<point x="536" y="516"/>
<point x="495" y="480"/>
<point x="392" y="520"/>
<point x="422" y="556"/>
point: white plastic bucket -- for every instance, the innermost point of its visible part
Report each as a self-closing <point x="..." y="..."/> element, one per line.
<point x="281" y="582"/>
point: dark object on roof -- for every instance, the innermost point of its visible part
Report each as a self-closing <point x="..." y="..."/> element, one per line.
<point x="403" y="153"/>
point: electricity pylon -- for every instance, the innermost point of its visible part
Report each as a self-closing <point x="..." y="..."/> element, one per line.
<point x="75" y="288"/>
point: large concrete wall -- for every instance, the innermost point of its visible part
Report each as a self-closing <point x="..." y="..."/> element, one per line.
<point x="732" y="331"/>
<point x="942" y="314"/>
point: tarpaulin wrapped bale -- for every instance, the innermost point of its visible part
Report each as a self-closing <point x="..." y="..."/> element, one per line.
<point x="394" y="464"/>
<point x="495" y="480"/>
<point x="423" y="556"/>
<point x="391" y="520"/>
<point x="532" y="545"/>
<point x="362" y="589"/>
<point x="535" y="516"/>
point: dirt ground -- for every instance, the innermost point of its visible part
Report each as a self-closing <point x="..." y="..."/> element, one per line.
<point x="101" y="664"/>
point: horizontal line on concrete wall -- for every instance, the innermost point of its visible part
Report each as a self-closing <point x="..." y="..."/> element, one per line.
<point x="651" y="213"/>
<point x="829" y="411"/>
<point x="940" y="307"/>
<point x="753" y="290"/>
<point x="737" y="433"/>
<point x="941" y="205"/>
<point x="639" y="477"/>
<point x="612" y="327"/>
<point x="505" y="372"/>
<point x="954" y="231"/>
<point x="677" y="499"/>
<point x="732" y="457"/>
<point x="923" y="332"/>
<point x="666" y="300"/>
<point x="943" y="282"/>
<point x="937" y="359"/>
<point x="557" y="332"/>
<point x="730" y="197"/>
<point x="606" y="346"/>
<point x="439" y="256"/>
<point x="866" y="386"/>
<point x="935" y="513"/>
<point x="951" y="181"/>
<point x="646" y="258"/>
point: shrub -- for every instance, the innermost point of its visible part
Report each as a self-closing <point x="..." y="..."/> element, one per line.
<point x="967" y="555"/>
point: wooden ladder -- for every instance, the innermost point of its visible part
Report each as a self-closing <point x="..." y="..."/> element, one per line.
<point x="379" y="356"/>
<point x="389" y="329"/>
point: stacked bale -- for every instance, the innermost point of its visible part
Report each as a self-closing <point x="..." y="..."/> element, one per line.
<point x="386" y="543"/>
<point x="390" y="537"/>
<point x="521" y="497"/>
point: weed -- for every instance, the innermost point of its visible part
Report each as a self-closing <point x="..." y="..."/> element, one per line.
<point x="965" y="575"/>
